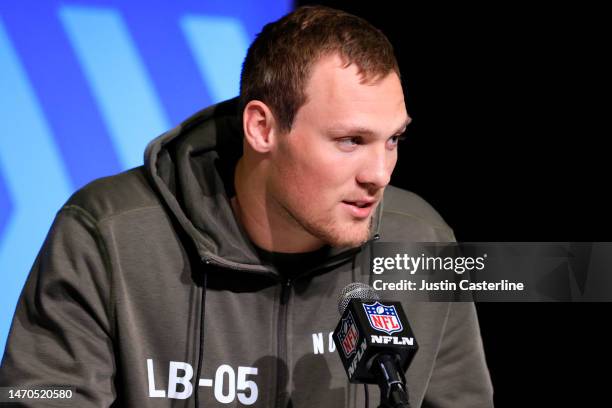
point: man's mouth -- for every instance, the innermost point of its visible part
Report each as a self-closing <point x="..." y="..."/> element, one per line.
<point x="359" y="208"/>
<point x="359" y="204"/>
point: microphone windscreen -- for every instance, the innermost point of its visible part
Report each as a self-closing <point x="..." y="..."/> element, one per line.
<point x="356" y="290"/>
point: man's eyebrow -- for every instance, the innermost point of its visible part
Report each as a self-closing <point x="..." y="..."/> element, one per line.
<point x="360" y="130"/>
<point x="402" y="128"/>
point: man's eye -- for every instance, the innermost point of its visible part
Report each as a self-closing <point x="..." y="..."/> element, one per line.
<point x="396" y="139"/>
<point x="349" y="141"/>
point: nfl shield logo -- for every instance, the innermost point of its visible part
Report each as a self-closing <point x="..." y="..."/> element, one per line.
<point x="348" y="335"/>
<point x="383" y="318"/>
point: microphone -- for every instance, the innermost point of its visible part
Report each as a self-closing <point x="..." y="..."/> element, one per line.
<point x="375" y="342"/>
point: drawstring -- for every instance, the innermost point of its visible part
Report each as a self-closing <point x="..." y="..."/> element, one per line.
<point x="201" y="347"/>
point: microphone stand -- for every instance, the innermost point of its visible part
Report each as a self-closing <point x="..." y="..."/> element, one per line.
<point x="393" y="390"/>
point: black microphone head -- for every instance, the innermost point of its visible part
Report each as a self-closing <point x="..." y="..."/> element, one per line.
<point x="356" y="290"/>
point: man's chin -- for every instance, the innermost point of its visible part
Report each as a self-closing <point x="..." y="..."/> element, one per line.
<point x="338" y="232"/>
<point x="348" y="237"/>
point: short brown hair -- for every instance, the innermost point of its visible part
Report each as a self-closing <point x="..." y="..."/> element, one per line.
<point x="278" y="63"/>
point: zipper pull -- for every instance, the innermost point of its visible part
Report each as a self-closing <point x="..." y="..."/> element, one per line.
<point x="285" y="291"/>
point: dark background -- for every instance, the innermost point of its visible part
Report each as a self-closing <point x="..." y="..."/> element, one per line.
<point x="508" y="144"/>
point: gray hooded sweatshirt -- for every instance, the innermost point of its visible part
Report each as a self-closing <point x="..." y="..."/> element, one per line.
<point x="148" y="293"/>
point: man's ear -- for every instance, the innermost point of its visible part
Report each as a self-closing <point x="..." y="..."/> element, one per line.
<point x="259" y="126"/>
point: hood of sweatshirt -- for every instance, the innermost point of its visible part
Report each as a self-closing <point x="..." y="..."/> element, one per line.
<point x="192" y="168"/>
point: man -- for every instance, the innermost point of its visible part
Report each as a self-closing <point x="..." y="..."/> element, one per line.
<point x="209" y="276"/>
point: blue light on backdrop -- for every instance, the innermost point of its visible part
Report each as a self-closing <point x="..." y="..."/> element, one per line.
<point x="84" y="85"/>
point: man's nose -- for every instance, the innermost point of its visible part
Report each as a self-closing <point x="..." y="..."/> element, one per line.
<point x="377" y="168"/>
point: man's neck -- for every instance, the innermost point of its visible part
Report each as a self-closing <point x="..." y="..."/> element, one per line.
<point x="261" y="217"/>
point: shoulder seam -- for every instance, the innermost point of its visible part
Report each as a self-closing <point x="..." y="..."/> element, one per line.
<point x="88" y="215"/>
